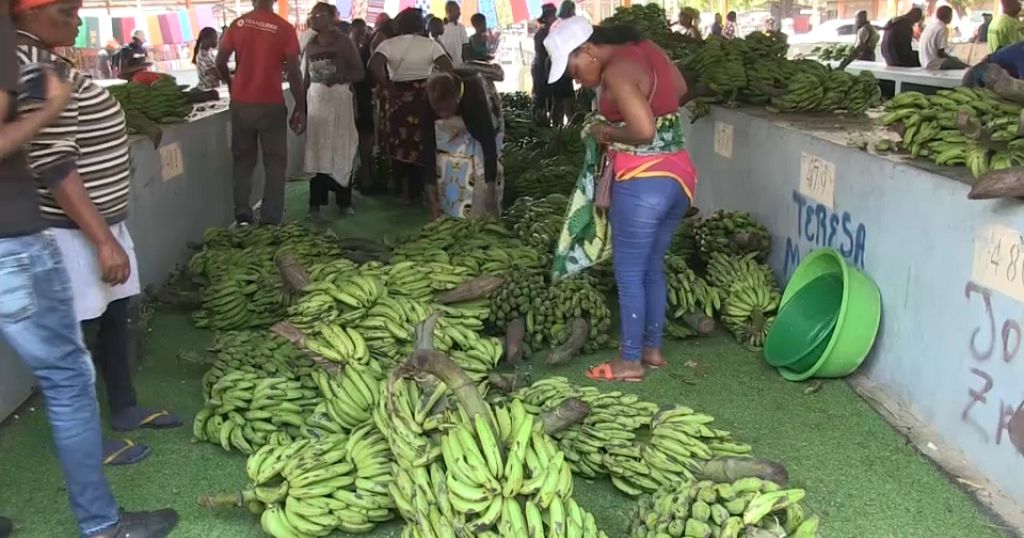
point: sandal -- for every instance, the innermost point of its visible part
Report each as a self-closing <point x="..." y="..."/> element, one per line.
<point x="123" y="452"/>
<point x="156" y="420"/>
<point x="655" y="365"/>
<point x="604" y="372"/>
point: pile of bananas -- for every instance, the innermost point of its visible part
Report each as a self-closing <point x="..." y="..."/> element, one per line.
<point x="752" y="296"/>
<point x="481" y="246"/>
<point x="767" y="45"/>
<point x="833" y="52"/>
<point x="687" y="292"/>
<point x="242" y="299"/>
<point x="804" y="92"/>
<point x="243" y="409"/>
<point x="930" y="129"/>
<point x="639" y="447"/>
<point x="746" y="507"/>
<point x="546" y="166"/>
<point x="538" y="222"/>
<point x="162" y="102"/>
<point x="719" y="64"/>
<point x="262" y="353"/>
<point x="731" y="232"/>
<point x="312" y="487"/>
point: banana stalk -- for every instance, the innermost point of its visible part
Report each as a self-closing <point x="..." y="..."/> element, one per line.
<point x="577" y="340"/>
<point x="731" y="469"/>
<point x="515" y="334"/>
<point x="230" y="499"/>
<point x="471" y="290"/>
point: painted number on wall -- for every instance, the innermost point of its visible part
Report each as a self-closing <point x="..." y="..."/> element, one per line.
<point x="818" y="179"/>
<point x="171" y="163"/>
<point x="723" y="139"/>
<point x="999" y="260"/>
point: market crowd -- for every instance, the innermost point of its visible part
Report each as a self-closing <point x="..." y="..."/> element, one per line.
<point x="417" y="90"/>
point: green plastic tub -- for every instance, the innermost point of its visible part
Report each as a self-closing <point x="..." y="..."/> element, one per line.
<point x="857" y="324"/>
<point x="804" y="326"/>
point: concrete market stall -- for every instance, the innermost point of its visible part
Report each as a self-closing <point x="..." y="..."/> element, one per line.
<point x="950" y="270"/>
<point x="894" y="80"/>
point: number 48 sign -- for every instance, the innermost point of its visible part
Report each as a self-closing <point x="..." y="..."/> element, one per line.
<point x="999" y="260"/>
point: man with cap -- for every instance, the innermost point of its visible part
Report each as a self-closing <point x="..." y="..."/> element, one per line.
<point x="541" y="64"/>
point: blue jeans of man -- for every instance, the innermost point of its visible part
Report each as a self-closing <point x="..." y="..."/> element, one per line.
<point x="38" y="321"/>
<point x="644" y="215"/>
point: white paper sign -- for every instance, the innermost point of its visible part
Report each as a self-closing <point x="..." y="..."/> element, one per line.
<point x="999" y="260"/>
<point x="723" y="139"/>
<point x="818" y="179"/>
<point x="171" y="163"/>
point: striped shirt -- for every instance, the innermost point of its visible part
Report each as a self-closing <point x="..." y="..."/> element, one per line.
<point x="90" y="136"/>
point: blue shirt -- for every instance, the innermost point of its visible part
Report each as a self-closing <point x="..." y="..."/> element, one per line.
<point x="1011" y="58"/>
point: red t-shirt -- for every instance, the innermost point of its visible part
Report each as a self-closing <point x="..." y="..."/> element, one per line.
<point x="261" y="41"/>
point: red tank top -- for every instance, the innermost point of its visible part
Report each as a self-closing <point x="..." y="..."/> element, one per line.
<point x="663" y="82"/>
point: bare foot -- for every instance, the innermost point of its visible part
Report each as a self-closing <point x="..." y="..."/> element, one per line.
<point x="653" y="359"/>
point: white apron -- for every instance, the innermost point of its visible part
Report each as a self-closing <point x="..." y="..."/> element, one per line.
<point x="332" y="142"/>
<point x="91" y="294"/>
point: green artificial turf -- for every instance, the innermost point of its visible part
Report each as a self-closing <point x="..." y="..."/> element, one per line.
<point x="863" y="478"/>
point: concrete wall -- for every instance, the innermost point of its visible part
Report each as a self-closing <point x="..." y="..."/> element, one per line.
<point x="949" y="344"/>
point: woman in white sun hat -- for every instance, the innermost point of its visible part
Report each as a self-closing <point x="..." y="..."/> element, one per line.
<point x="639" y="94"/>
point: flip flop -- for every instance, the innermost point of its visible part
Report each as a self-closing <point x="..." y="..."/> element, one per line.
<point x="604" y="372"/>
<point x="123" y="452"/>
<point x="156" y="420"/>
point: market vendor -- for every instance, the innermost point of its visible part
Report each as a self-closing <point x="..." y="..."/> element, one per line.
<point x="1007" y="28"/>
<point x="135" y="69"/>
<point x="640" y="91"/>
<point x="897" y="41"/>
<point x="89" y="141"/>
<point x="471" y="121"/>
<point x="867" y="41"/>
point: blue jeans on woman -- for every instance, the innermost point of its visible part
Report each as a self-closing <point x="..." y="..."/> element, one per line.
<point x="644" y="215"/>
<point x="38" y="321"/>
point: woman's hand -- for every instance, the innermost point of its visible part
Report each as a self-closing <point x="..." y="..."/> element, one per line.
<point x="600" y="131"/>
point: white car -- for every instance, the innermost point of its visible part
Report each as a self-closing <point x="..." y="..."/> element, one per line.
<point x="833" y="31"/>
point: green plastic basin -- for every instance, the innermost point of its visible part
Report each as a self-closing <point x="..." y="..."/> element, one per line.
<point x="804" y="326"/>
<point x="856" y="325"/>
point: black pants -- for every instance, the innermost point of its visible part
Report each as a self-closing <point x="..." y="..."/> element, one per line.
<point x="320" y="187"/>
<point x="107" y="338"/>
<point x="412" y="174"/>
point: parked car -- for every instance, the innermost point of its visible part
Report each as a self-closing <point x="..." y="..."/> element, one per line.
<point x="833" y="31"/>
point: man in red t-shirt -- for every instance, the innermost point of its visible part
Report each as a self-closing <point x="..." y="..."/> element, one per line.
<point x="263" y="43"/>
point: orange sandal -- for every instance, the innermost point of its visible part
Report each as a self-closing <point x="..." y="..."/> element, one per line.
<point x="604" y="372"/>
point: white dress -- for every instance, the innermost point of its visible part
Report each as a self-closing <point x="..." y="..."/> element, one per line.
<point x="91" y="294"/>
<point x="332" y="142"/>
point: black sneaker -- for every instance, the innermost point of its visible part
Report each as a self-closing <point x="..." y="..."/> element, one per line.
<point x="6" y="527"/>
<point x="156" y="524"/>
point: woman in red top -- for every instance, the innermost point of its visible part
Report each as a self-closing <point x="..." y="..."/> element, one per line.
<point x="639" y="92"/>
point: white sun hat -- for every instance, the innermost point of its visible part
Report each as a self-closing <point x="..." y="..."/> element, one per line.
<point x="565" y="36"/>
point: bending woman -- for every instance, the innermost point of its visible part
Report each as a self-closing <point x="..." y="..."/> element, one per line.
<point x="640" y="93"/>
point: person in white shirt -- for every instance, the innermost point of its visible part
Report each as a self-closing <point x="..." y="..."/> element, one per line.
<point x="455" y="39"/>
<point x="934" y="40"/>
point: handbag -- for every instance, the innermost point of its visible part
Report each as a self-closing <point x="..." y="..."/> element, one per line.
<point x="605" y="177"/>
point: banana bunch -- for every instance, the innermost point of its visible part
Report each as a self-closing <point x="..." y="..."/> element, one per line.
<point x="162" y="102"/>
<point x="578" y="297"/>
<point x="652" y="21"/>
<point x="477" y="356"/>
<point x="313" y="487"/>
<point x="482" y="246"/>
<point x="243" y="409"/>
<point x="724" y="270"/>
<point x="837" y="85"/>
<point x="538" y="222"/>
<point x="731" y="232"/>
<point x="719" y="65"/>
<point x="724" y="510"/>
<point x="640" y="447"/>
<point x="804" y="92"/>
<point x="411" y="415"/>
<point x="766" y="77"/>
<point x="836" y="51"/>
<point x="863" y="94"/>
<point x="263" y="353"/>
<point x="422" y="280"/>
<point x="687" y="291"/>
<point x="767" y="45"/>
<point x="524" y="295"/>
<point x="749" y="308"/>
<point x="241" y="300"/>
<point x="348" y="402"/>
<point x="344" y="302"/>
<point x="930" y="128"/>
<point x="531" y="176"/>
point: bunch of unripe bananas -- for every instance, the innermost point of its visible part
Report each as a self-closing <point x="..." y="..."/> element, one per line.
<point x="483" y="247"/>
<point x="538" y="222"/>
<point x="751" y="293"/>
<point x="747" y="507"/>
<point x="258" y="352"/>
<point x="731" y="232"/>
<point x="687" y="293"/>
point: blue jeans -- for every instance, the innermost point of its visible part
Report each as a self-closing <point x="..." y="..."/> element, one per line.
<point x="644" y="215"/>
<point x="38" y="321"/>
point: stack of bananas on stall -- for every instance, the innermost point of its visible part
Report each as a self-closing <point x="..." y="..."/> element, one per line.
<point x="747" y="507"/>
<point x="258" y="352"/>
<point x="751" y="294"/>
<point x="312" y="487"/>
<point x="243" y="409"/>
<point x="687" y="292"/>
<point x="804" y="93"/>
<point x="835" y="51"/>
<point x="930" y="128"/>
<point x="162" y="102"/>
<point x="731" y="232"/>
<point x="537" y="222"/>
<point x="652" y="21"/>
<point x="719" y="65"/>
<point x="640" y="447"/>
